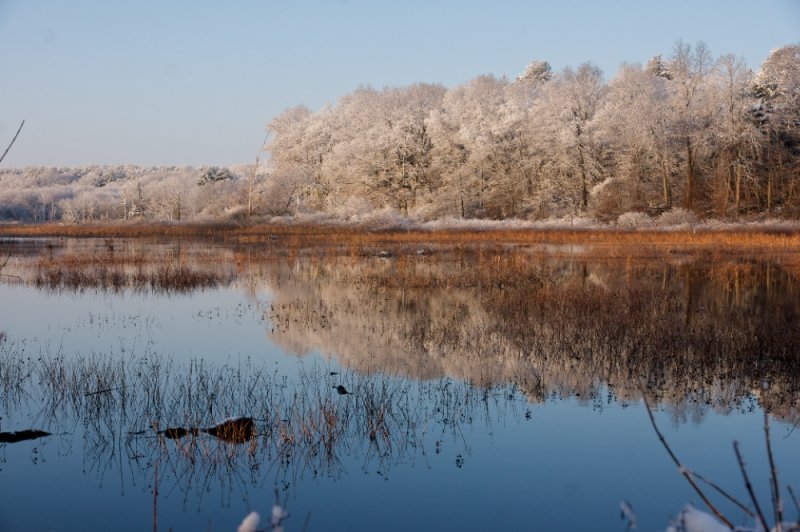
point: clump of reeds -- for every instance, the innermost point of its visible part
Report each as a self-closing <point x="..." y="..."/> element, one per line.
<point x="236" y="420"/>
<point x="155" y="277"/>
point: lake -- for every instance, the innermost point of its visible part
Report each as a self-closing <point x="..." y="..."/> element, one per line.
<point x="181" y="384"/>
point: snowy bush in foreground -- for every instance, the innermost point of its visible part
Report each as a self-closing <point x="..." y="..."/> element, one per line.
<point x="690" y="519"/>
<point x="251" y="522"/>
<point x="693" y="520"/>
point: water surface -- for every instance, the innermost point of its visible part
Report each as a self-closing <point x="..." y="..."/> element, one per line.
<point x="490" y="387"/>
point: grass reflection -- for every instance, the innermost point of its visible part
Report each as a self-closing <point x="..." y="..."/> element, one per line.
<point x="138" y="411"/>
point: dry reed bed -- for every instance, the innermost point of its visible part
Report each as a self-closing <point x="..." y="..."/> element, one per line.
<point x="346" y="237"/>
<point x="138" y="273"/>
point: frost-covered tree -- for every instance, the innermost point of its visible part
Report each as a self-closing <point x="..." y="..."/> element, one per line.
<point x="777" y="86"/>
<point x="569" y="106"/>
<point x="690" y="108"/>
<point x="537" y="72"/>
<point x="468" y="138"/>
<point x="736" y="138"/>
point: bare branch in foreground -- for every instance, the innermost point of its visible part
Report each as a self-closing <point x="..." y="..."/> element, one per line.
<point x="749" y="486"/>
<point x="687" y="474"/>
<point x="12" y="141"/>
<point x="795" y="500"/>
<point x="777" y="504"/>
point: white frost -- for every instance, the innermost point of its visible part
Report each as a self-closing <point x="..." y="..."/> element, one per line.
<point x="278" y="515"/>
<point x="693" y="520"/>
<point x="250" y="523"/>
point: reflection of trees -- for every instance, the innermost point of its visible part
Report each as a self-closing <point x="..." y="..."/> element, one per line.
<point x="694" y="334"/>
<point x="139" y="414"/>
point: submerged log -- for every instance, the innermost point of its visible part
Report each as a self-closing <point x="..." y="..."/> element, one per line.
<point x="22" y="435"/>
<point x="234" y="430"/>
<point x="175" y="433"/>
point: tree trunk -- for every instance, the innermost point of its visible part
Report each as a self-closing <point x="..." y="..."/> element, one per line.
<point x="738" y="192"/>
<point x="689" y="174"/>
<point x="665" y="185"/>
<point x="584" y="192"/>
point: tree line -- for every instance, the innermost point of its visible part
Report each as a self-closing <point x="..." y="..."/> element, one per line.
<point x="689" y="130"/>
<point x="692" y="133"/>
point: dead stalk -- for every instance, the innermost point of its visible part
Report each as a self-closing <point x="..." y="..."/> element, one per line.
<point x="777" y="503"/>
<point x="749" y="486"/>
<point x="683" y="470"/>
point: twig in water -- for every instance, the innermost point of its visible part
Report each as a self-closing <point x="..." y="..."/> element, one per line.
<point x="687" y="474"/>
<point x="98" y="392"/>
<point x="749" y="486"/>
<point x="155" y="496"/>
<point x="305" y="524"/>
<point x="626" y="513"/>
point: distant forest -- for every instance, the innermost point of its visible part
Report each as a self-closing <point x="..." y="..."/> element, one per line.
<point x="689" y="132"/>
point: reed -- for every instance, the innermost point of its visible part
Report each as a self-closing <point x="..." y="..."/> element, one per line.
<point x="163" y="412"/>
<point x="408" y="240"/>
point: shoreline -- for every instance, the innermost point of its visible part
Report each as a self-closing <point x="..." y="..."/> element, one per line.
<point x="743" y="237"/>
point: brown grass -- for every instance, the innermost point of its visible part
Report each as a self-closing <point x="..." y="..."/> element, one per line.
<point x="354" y="237"/>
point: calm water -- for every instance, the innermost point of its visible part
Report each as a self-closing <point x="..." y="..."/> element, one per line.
<point x="496" y="388"/>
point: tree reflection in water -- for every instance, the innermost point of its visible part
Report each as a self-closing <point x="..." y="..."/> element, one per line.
<point x="431" y="343"/>
<point x="690" y="333"/>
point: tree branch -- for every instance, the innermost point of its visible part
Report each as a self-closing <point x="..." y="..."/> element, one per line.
<point x="777" y="504"/>
<point x="749" y="486"/>
<point x="687" y="474"/>
<point x="12" y="141"/>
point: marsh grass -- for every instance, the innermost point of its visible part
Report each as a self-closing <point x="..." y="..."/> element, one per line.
<point x="135" y="411"/>
<point x="347" y="238"/>
<point x="134" y="272"/>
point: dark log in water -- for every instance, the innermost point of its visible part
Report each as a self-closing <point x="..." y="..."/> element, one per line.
<point x="234" y="430"/>
<point x="22" y="435"/>
<point x="175" y="433"/>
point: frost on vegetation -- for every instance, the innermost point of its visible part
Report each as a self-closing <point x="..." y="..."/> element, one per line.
<point x="676" y="218"/>
<point x="250" y="523"/>
<point x="690" y="519"/>
<point x="253" y="519"/>
<point x="688" y="133"/>
<point x="634" y="220"/>
<point x="278" y="516"/>
<point x="628" y="515"/>
<point x="385" y="218"/>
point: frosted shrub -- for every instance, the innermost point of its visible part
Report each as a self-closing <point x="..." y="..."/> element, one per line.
<point x="634" y="220"/>
<point x="385" y="218"/>
<point x="354" y="207"/>
<point x="676" y="217"/>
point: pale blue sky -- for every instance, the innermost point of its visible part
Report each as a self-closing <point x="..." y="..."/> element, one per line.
<point x="194" y="82"/>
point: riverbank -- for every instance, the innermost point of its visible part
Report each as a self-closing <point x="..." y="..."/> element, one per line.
<point x="773" y="236"/>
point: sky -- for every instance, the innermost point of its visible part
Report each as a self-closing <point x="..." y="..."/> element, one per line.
<point x="195" y="82"/>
